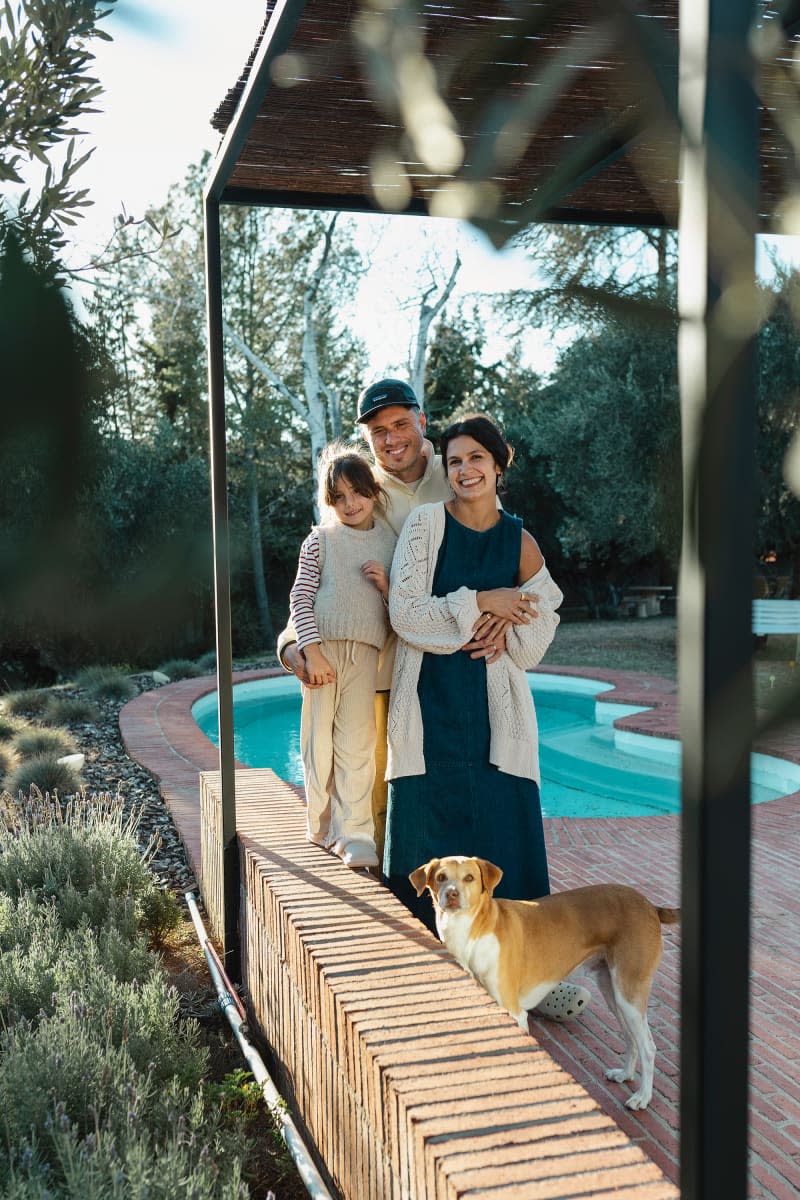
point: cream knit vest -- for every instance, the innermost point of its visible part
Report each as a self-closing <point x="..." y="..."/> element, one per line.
<point x="347" y="605"/>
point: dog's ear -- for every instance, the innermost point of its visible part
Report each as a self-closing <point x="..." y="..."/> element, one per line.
<point x="490" y="874"/>
<point x="419" y="878"/>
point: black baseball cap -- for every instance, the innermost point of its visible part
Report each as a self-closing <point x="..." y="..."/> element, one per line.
<point x="383" y="394"/>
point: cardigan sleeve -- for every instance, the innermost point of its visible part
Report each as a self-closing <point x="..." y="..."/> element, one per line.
<point x="436" y="624"/>
<point x="526" y="644"/>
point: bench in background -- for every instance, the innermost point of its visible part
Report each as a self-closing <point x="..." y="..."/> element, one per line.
<point x="777" y="616"/>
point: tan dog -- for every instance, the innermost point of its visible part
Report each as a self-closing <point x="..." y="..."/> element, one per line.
<point x="520" y="949"/>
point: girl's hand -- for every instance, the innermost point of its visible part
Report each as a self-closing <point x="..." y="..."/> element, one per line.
<point x="376" y="573"/>
<point x="318" y="668"/>
<point x="512" y="604"/>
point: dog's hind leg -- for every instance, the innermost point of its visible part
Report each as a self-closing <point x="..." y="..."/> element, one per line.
<point x="635" y="1018"/>
<point x="605" y="983"/>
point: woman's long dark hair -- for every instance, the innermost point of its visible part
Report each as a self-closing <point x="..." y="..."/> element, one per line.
<point x="484" y="431"/>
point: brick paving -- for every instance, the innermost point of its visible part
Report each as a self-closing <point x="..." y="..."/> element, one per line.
<point x="159" y="733"/>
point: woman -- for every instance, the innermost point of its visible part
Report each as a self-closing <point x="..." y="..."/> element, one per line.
<point x="463" y="744"/>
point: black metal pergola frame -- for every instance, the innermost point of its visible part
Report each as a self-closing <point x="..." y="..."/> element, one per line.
<point x="717" y="228"/>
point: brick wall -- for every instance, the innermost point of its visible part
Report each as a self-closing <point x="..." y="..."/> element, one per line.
<point x="410" y="1081"/>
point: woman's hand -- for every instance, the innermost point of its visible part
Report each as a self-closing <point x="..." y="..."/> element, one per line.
<point x="511" y="604"/>
<point x="318" y="668"/>
<point x="376" y="573"/>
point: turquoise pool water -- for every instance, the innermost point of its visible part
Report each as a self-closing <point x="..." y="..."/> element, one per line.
<point x="589" y="769"/>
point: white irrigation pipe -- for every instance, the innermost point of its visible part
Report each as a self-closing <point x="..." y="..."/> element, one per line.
<point x="275" y="1103"/>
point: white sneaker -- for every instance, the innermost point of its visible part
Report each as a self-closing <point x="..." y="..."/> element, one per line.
<point x="567" y="1000"/>
<point x="356" y="853"/>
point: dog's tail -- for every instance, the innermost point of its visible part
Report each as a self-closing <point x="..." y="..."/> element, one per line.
<point x="669" y="916"/>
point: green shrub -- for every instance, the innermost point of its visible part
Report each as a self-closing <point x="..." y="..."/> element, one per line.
<point x="191" y="1160"/>
<point x="74" y="1064"/>
<point x="180" y="668"/>
<point x="83" y="855"/>
<point x="101" y="1084"/>
<point x="70" y="710"/>
<point x="45" y="772"/>
<point x="31" y="742"/>
<point x="106" y="683"/>
<point x="32" y="700"/>
<point x="207" y="663"/>
<point x="160" y="915"/>
<point x="41" y="960"/>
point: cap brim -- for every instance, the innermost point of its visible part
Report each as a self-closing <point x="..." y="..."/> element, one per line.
<point x="389" y="404"/>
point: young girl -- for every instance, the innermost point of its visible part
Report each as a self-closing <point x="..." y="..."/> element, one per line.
<point x="338" y="606"/>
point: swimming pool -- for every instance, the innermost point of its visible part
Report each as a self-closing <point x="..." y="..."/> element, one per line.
<point x="589" y="768"/>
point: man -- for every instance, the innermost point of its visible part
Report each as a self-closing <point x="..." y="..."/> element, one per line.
<point x="410" y="471"/>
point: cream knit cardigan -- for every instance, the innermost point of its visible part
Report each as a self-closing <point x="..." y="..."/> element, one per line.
<point x="441" y="625"/>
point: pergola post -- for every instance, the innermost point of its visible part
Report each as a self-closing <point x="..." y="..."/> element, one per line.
<point x="719" y="197"/>
<point x="222" y="585"/>
<point x="284" y="19"/>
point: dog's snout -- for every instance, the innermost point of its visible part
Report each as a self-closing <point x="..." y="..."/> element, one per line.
<point x="449" y="894"/>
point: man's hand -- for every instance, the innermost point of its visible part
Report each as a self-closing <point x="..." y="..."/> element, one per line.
<point x="318" y="669"/>
<point x="294" y="659"/>
<point x="489" y="638"/>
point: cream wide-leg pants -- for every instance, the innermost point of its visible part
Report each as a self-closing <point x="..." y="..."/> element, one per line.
<point x="337" y="744"/>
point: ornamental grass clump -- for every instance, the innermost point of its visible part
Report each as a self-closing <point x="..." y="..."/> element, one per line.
<point x="106" y="683"/>
<point x="44" y="773"/>
<point x="28" y="702"/>
<point x="180" y="668"/>
<point x="70" y="710"/>
<point x="8" y="759"/>
<point x="9" y="728"/>
<point x="32" y="742"/>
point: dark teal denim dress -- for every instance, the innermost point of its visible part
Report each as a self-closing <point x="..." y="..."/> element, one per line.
<point x="463" y="804"/>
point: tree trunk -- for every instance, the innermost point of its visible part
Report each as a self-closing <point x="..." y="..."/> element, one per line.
<point x="427" y="314"/>
<point x="661" y="254"/>
<point x="259" y="580"/>
<point x="794" y="586"/>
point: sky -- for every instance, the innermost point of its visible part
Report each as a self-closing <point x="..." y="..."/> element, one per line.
<point x="170" y="64"/>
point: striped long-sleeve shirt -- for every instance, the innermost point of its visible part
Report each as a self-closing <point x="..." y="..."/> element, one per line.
<point x="304" y="592"/>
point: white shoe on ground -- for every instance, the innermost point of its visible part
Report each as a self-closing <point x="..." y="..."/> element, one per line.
<point x="356" y="853"/>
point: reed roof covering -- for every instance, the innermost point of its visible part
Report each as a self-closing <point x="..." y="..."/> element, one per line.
<point x="605" y="147"/>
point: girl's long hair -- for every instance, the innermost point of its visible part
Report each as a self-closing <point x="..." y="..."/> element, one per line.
<point x="338" y="460"/>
